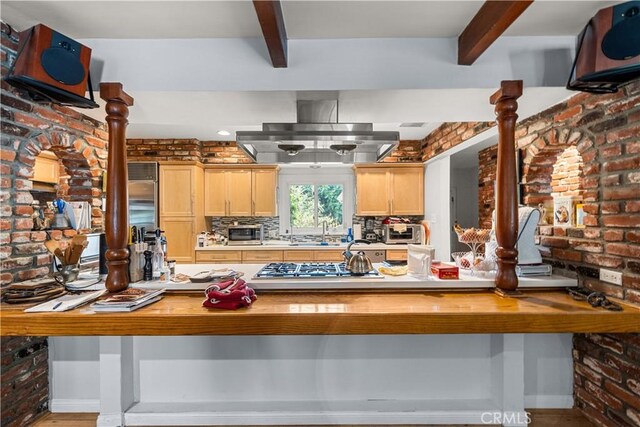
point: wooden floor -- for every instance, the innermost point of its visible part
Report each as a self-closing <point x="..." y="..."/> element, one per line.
<point x="540" y="418"/>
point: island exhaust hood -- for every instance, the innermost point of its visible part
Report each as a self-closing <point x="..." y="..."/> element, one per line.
<point x="317" y="137"/>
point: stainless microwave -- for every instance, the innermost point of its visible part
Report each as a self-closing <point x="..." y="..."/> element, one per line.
<point x="245" y="234"/>
<point x="401" y="233"/>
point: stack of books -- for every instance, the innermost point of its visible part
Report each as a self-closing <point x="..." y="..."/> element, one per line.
<point x="127" y="300"/>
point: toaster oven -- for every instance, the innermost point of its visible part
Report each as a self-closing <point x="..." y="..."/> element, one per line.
<point x="401" y="233"/>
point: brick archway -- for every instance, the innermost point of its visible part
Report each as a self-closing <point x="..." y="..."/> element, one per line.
<point x="553" y="165"/>
<point x="84" y="165"/>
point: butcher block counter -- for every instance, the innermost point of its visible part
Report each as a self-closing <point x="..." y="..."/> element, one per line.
<point x="340" y="313"/>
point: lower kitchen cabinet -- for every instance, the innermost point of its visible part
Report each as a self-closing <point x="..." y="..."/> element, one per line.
<point x="397" y="255"/>
<point x="299" y="256"/>
<point x="220" y="257"/>
<point x="329" y="255"/>
<point x="180" y="233"/>
<point x="258" y="257"/>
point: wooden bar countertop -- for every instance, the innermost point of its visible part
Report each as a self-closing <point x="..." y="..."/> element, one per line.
<point x="293" y="313"/>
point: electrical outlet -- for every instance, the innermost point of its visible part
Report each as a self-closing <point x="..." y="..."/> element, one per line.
<point x="272" y="234"/>
<point x="611" y="276"/>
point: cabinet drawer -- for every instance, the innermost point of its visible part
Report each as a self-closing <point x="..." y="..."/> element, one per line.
<point x="397" y="255"/>
<point x="261" y="256"/>
<point x="298" y="256"/>
<point x="328" y="255"/>
<point x="228" y="257"/>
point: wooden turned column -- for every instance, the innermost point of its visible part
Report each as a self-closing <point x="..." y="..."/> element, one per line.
<point x="117" y="222"/>
<point x="506" y="184"/>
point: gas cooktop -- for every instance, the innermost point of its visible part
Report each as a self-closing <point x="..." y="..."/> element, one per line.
<point x="309" y="270"/>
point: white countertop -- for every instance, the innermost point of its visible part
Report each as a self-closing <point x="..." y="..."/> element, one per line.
<point x="329" y="283"/>
<point x="275" y="245"/>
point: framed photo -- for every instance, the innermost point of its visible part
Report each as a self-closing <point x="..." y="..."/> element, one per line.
<point x="580" y="215"/>
<point x="563" y="211"/>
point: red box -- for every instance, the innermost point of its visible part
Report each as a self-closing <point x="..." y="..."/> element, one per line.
<point x="445" y="271"/>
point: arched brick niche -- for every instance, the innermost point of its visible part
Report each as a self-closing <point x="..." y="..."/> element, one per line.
<point x="553" y="166"/>
<point x="29" y="127"/>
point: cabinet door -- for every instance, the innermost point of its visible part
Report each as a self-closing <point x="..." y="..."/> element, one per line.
<point x="372" y="192"/>
<point x="396" y="255"/>
<point x="328" y="255"/>
<point x="238" y="192"/>
<point x="298" y="256"/>
<point x="218" y="257"/>
<point x="177" y="186"/>
<point x="263" y="190"/>
<point x="180" y="234"/>
<point x="215" y="193"/>
<point x="260" y="257"/>
<point x="46" y="168"/>
<point x="407" y="191"/>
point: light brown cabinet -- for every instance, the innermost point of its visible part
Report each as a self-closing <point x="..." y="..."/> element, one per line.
<point x="240" y="192"/>
<point x="180" y="233"/>
<point x="258" y="257"/>
<point x="180" y="190"/>
<point x="47" y="168"/>
<point x="389" y="190"/>
<point x="181" y="208"/>
<point x="396" y="255"/>
<point x="264" y="184"/>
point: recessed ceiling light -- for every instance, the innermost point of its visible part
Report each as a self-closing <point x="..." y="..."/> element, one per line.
<point x="224" y="133"/>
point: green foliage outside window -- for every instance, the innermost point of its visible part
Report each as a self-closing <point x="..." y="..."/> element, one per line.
<point x="311" y="205"/>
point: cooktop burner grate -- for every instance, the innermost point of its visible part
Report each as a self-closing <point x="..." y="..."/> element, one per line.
<point x="308" y="270"/>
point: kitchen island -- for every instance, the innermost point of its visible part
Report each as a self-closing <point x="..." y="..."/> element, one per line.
<point x="343" y="357"/>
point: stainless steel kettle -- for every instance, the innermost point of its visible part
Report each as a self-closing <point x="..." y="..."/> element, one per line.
<point x="357" y="263"/>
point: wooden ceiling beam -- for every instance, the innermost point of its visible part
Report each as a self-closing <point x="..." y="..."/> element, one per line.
<point x="493" y="18"/>
<point x="270" y="16"/>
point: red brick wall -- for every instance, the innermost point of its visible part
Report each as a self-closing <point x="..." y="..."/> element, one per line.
<point x="449" y="135"/>
<point x="406" y="152"/>
<point x="225" y="152"/>
<point x="605" y="132"/>
<point x="80" y="144"/>
<point x="487" y="163"/>
<point x="25" y="381"/>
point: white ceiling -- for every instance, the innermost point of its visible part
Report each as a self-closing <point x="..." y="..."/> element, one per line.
<point x="303" y="19"/>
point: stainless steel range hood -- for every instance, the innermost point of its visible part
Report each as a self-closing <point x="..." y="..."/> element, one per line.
<point x="317" y="137"/>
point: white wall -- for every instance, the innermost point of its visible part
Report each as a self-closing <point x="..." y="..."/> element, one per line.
<point x="436" y="205"/>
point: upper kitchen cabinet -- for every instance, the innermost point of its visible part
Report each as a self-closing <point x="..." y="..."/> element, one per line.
<point x="389" y="190"/>
<point x="46" y="168"/>
<point x="407" y="191"/>
<point x="181" y="188"/>
<point x="246" y="191"/>
<point x="264" y="184"/>
<point x="372" y="191"/>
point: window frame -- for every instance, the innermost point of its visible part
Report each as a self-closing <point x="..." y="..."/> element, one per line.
<point x="316" y="176"/>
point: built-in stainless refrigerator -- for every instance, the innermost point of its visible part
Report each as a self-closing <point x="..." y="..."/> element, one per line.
<point x="143" y="194"/>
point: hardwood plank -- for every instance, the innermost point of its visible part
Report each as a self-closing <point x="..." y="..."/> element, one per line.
<point x="270" y="16"/>
<point x="337" y="313"/>
<point x="539" y="418"/>
<point x="493" y="18"/>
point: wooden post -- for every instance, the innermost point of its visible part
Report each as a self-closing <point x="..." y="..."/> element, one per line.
<point x="117" y="222"/>
<point x="506" y="198"/>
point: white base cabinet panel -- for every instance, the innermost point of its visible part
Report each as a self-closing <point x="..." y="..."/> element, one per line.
<point x="280" y="380"/>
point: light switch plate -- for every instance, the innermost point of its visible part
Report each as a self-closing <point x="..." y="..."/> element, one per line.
<point x="611" y="276"/>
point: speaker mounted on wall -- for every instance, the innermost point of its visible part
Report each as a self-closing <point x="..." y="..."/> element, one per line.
<point x="52" y="67"/>
<point x="608" y="50"/>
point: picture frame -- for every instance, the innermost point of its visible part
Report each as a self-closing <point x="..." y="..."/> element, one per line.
<point x="580" y="215"/>
<point x="563" y="212"/>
